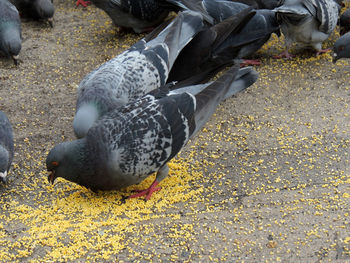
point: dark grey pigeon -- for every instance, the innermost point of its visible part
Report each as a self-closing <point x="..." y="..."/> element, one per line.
<point x="244" y="40"/>
<point x="341" y="47"/>
<point x="309" y="22"/>
<point x="344" y="22"/>
<point x="10" y="30"/>
<point x="128" y="144"/>
<point x="36" y="9"/>
<point x="6" y="146"/>
<point x="142" y="68"/>
<point x="140" y="15"/>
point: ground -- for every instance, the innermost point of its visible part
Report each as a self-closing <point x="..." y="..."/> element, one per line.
<point x="266" y="180"/>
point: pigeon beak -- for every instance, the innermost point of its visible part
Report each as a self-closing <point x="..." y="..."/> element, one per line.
<point x="15" y="59"/>
<point x="3" y="177"/>
<point x="50" y="20"/>
<point x="51" y="178"/>
<point x="335" y="58"/>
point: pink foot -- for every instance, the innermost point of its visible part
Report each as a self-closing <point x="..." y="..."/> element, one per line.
<point x="83" y="3"/>
<point x="147" y="192"/>
<point x="285" y="54"/>
<point x="323" y="51"/>
<point x="250" y="62"/>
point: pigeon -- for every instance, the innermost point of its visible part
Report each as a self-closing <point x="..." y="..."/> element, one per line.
<point x="6" y="146"/>
<point x="10" y="30"/>
<point x="344" y="22"/>
<point x="309" y="22"/>
<point x="140" y="15"/>
<point x="243" y="42"/>
<point x="142" y="68"/>
<point x="128" y="144"/>
<point x="37" y="9"/>
<point x="260" y="4"/>
<point x="341" y="47"/>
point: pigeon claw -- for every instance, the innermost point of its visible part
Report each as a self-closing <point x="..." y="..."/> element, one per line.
<point x="83" y="3"/>
<point x="147" y="192"/>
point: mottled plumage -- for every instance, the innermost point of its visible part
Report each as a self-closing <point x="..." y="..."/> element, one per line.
<point x="309" y="22"/>
<point x="135" y="72"/>
<point x="10" y="30"/>
<point x="128" y="144"/>
<point x="6" y="146"/>
<point x="37" y="9"/>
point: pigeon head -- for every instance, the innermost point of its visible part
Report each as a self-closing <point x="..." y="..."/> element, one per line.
<point x="341" y="47"/>
<point x="4" y="163"/>
<point x="64" y="160"/>
<point x="11" y="42"/>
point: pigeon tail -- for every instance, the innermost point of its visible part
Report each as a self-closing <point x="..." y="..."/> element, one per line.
<point x="223" y="88"/>
<point x="178" y="34"/>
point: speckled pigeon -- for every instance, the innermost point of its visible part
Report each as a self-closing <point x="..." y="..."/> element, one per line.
<point x="10" y="30"/>
<point x="37" y="9"/>
<point x="341" y="47"/>
<point x="6" y="146"/>
<point x="309" y="22"/>
<point x="142" y="68"/>
<point x="128" y="144"/>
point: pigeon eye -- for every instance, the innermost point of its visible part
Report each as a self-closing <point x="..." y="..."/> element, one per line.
<point x="54" y="163"/>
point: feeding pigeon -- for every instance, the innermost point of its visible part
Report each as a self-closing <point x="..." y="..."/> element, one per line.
<point x="344" y="22"/>
<point x="140" y="15"/>
<point x="128" y="144"/>
<point x="341" y="47"/>
<point x="6" y="146"/>
<point x="37" y="9"/>
<point x="309" y="22"/>
<point x="241" y="43"/>
<point x="142" y="68"/>
<point x="10" y="30"/>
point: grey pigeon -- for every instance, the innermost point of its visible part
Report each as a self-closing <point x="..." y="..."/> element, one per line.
<point x="128" y="144"/>
<point x="6" y="146"/>
<point x="142" y="68"/>
<point x="245" y="40"/>
<point x="10" y="30"/>
<point x="140" y="15"/>
<point x="309" y="22"/>
<point x="341" y="47"/>
<point x="36" y="9"/>
<point x="344" y="22"/>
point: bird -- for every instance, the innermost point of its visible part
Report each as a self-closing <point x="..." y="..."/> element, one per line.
<point x="344" y="22"/>
<point x="241" y="43"/>
<point x="143" y="67"/>
<point x="36" y="9"/>
<point x="6" y="146"/>
<point x="260" y="4"/>
<point x="309" y="22"/>
<point x="128" y="144"/>
<point x="341" y="48"/>
<point x="10" y="31"/>
<point x="139" y="15"/>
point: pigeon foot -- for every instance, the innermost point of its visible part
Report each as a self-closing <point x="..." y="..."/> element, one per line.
<point x="147" y="192"/>
<point x="322" y="51"/>
<point x="83" y="3"/>
<point x="285" y="54"/>
<point x="250" y="62"/>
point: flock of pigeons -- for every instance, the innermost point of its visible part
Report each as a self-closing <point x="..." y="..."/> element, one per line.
<point x="135" y="112"/>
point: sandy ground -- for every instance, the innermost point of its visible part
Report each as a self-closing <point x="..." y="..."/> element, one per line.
<point x="267" y="180"/>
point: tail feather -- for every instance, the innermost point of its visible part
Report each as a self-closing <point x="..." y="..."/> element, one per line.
<point x="179" y="33"/>
<point x="226" y="86"/>
<point x="197" y="59"/>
